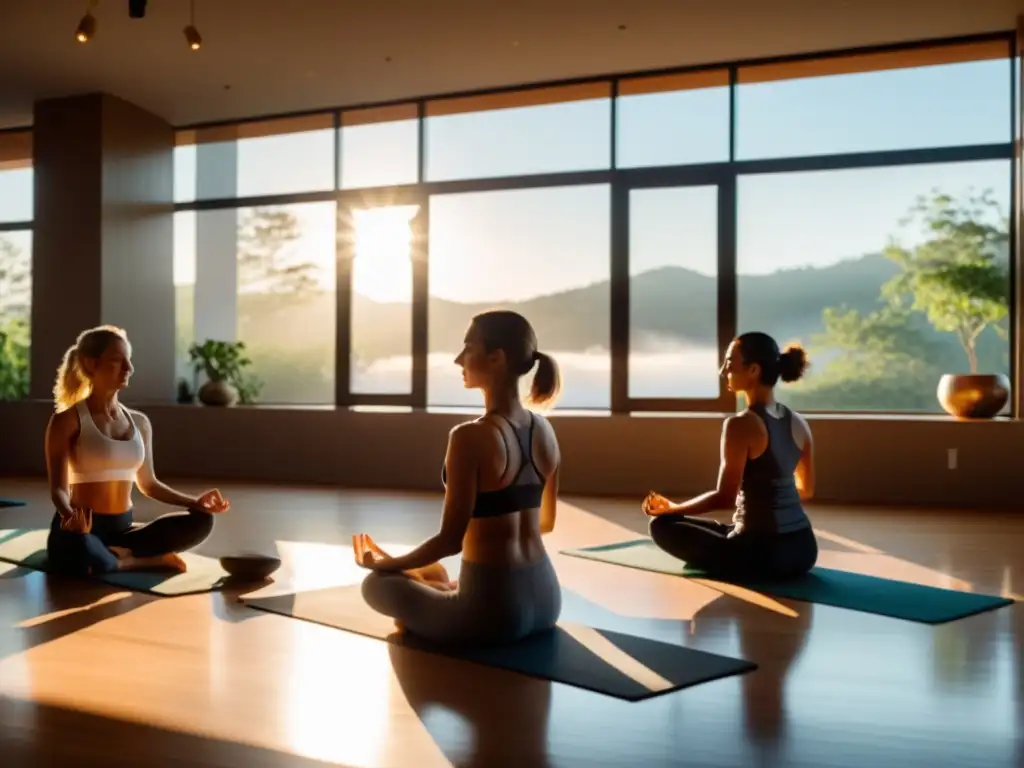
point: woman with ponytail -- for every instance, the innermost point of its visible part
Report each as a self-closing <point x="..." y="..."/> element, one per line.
<point x="766" y="474"/>
<point x="501" y="486"/>
<point x="97" y="451"/>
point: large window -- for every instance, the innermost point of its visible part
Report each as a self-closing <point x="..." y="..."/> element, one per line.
<point x="379" y="147"/>
<point x="857" y="203"/>
<point x="673" y="120"/>
<point x="15" y="313"/>
<point x="890" y="276"/>
<point x="16" y="210"/>
<point x="381" y="329"/>
<point x="673" y="293"/>
<point x="918" y="98"/>
<point x="549" y="130"/>
<point x="275" y="157"/>
<point x="541" y="252"/>
<point x="264" y="276"/>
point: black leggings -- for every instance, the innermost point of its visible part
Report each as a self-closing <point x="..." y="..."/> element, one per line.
<point x="84" y="554"/>
<point x="705" y="544"/>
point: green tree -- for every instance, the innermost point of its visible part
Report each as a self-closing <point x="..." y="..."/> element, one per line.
<point x="266" y="264"/>
<point x="954" y="275"/>
<point x="15" y="281"/>
<point x="15" y="303"/>
<point x="14" y="360"/>
<point x="878" y="360"/>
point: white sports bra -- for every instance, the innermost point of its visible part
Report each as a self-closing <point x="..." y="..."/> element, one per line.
<point x="96" y="458"/>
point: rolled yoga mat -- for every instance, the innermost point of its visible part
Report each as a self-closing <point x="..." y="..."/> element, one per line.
<point x="27" y="547"/>
<point x="623" y="666"/>
<point x="823" y="586"/>
<point x="11" y="503"/>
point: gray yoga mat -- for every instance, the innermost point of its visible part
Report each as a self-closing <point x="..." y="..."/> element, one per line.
<point x="611" y="663"/>
<point x="824" y="586"/>
<point x="27" y="547"/>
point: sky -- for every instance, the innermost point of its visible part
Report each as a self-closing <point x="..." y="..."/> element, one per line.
<point x="512" y="245"/>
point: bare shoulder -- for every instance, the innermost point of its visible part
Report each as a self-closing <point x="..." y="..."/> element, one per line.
<point x="542" y="425"/>
<point x="799" y="421"/>
<point x="547" y="454"/>
<point x="742" y="424"/>
<point x="63" y="423"/>
<point x="469" y="433"/>
<point x="800" y="428"/>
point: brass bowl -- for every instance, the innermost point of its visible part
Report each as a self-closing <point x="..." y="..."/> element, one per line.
<point x="973" y="395"/>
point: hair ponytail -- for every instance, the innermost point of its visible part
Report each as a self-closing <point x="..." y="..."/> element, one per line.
<point x="547" y="381"/>
<point x="71" y="384"/>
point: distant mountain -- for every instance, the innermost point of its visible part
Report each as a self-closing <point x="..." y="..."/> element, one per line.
<point x="669" y="305"/>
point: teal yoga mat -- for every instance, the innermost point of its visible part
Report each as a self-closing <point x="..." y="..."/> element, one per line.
<point x="27" y="547"/>
<point x="824" y="586"/>
<point x="592" y="659"/>
<point x="11" y="503"/>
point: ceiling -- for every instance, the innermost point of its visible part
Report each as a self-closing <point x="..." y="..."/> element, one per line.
<point x="263" y="57"/>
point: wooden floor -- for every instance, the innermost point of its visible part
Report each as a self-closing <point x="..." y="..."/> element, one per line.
<point x="90" y="675"/>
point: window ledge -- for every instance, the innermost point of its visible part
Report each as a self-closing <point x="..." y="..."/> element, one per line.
<point x="555" y="414"/>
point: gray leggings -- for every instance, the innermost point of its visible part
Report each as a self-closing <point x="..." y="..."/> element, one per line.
<point x="492" y="605"/>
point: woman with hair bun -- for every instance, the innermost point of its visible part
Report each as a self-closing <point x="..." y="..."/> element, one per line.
<point x="766" y="473"/>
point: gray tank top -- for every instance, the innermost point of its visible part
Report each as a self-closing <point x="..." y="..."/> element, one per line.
<point x="768" y="501"/>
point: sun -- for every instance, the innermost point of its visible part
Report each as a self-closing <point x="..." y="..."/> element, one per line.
<point x="382" y="269"/>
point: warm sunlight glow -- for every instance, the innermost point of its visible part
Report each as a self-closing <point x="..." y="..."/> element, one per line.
<point x="337" y="706"/>
<point x="382" y="270"/>
<point x="616" y="658"/>
<point x="625" y="591"/>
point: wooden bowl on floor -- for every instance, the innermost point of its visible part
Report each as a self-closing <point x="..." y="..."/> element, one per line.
<point x="250" y="567"/>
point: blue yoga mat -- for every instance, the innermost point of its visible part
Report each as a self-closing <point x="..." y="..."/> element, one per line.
<point x="824" y="586"/>
<point x="612" y="663"/>
<point x="11" y="503"/>
<point x="27" y="547"/>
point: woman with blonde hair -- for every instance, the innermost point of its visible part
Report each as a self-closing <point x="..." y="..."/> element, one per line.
<point x="97" y="451"/>
<point x="501" y="486"/>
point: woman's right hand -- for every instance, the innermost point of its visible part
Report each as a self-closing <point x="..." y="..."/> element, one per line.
<point x="79" y="521"/>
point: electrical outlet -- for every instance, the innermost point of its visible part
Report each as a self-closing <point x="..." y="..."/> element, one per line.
<point x="951" y="458"/>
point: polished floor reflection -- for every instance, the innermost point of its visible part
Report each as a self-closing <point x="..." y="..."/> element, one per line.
<point x="93" y="675"/>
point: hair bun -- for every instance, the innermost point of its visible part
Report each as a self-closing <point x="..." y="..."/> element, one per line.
<point x="792" y="363"/>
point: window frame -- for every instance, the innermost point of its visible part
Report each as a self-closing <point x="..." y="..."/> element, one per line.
<point x="724" y="175"/>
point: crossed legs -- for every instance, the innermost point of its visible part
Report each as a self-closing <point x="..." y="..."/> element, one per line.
<point x="706" y="544"/>
<point x="114" y="545"/>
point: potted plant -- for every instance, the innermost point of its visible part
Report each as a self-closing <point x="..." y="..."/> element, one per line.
<point x="14" y="360"/>
<point x="956" y="277"/>
<point x="224" y="364"/>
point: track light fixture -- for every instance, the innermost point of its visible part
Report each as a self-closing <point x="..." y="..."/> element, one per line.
<point x="86" y="30"/>
<point x="192" y="36"/>
<point x="87" y="26"/>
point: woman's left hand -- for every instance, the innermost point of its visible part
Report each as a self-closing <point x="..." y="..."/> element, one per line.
<point x="656" y="504"/>
<point x="367" y="553"/>
<point x="211" y="501"/>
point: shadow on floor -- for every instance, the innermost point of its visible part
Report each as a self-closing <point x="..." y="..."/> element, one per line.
<point x="34" y="735"/>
